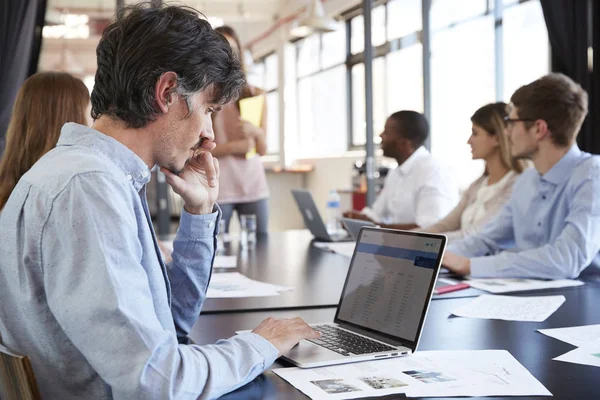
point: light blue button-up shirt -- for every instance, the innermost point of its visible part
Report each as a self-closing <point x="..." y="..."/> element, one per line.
<point x="550" y="227"/>
<point x="85" y="294"/>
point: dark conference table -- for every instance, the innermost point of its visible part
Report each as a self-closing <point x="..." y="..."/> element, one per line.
<point x="289" y="259"/>
<point x="444" y="332"/>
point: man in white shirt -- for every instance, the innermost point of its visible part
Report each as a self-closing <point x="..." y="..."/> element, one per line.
<point x="420" y="191"/>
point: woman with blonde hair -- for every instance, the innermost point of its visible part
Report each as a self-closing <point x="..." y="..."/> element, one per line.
<point x="45" y="102"/>
<point x="488" y="194"/>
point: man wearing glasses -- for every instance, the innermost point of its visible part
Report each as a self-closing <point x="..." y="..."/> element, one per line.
<point x="550" y="228"/>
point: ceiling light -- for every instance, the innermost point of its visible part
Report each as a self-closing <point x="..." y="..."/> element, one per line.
<point x="313" y="21"/>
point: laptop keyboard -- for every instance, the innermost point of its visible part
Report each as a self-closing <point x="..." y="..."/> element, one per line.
<point x="347" y="343"/>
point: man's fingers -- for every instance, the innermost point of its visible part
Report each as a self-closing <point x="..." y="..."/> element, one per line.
<point x="217" y="167"/>
<point x="206" y="160"/>
<point x="208" y="145"/>
<point x="303" y="328"/>
<point x="173" y="180"/>
<point x="312" y="334"/>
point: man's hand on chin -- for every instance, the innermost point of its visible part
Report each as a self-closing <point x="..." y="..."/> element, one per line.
<point x="197" y="183"/>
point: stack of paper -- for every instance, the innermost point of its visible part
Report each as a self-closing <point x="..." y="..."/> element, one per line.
<point x="234" y="284"/>
<point x="505" y="285"/>
<point x="225" y="262"/>
<point x="425" y="374"/>
<point x="586" y="338"/>
<point x="510" y="308"/>
<point x="344" y="248"/>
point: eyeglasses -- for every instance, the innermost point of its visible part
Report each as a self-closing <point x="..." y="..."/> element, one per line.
<point x="511" y="121"/>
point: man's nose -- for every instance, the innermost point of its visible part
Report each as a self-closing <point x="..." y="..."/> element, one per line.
<point x="207" y="130"/>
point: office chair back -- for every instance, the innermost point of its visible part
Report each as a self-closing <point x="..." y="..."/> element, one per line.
<point x="17" y="381"/>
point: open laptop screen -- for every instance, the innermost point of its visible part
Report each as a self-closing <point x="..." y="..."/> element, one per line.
<point x="390" y="281"/>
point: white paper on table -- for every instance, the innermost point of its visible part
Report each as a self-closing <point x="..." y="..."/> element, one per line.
<point x="343" y="248"/>
<point x="510" y="308"/>
<point x="428" y="373"/>
<point x="478" y="373"/>
<point x="234" y="284"/>
<point x="505" y="285"/>
<point x="349" y="381"/>
<point x="588" y="354"/>
<point x="575" y="335"/>
<point x="225" y="261"/>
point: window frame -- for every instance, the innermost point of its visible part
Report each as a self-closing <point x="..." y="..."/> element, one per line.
<point x="271" y="153"/>
<point x="494" y="8"/>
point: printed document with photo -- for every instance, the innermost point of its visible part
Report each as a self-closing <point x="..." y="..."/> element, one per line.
<point x="427" y="373"/>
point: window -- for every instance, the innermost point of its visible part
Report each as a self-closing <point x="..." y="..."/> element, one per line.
<point x="321" y="95"/>
<point x="397" y="75"/>
<point x="445" y="13"/>
<point x="378" y="31"/>
<point x="264" y="75"/>
<point x="271" y="72"/>
<point x="404" y="17"/>
<point x="526" y="46"/>
<point x="308" y="55"/>
<point x="464" y="73"/>
<point x="462" y="80"/>
<point x="334" y="47"/>
<point x="463" y="68"/>
<point x="359" y="132"/>
<point x="322" y="113"/>
<point x="404" y="79"/>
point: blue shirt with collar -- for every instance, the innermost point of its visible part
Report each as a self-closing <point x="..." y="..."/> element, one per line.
<point x="550" y="227"/>
<point x="85" y="294"/>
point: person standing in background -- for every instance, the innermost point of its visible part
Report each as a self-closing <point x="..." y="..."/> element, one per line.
<point x="243" y="183"/>
<point x="45" y="102"/>
<point x="485" y="197"/>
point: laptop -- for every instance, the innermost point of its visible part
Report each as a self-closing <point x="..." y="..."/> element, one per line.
<point x="313" y="220"/>
<point x="384" y="302"/>
<point x="353" y="226"/>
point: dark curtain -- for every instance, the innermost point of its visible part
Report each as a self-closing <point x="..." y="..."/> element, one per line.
<point x="594" y="115"/>
<point x="21" y="23"/>
<point x="572" y="25"/>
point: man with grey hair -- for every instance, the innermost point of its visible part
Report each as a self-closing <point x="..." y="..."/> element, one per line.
<point x="83" y="290"/>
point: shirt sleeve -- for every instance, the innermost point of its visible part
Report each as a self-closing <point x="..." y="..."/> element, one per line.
<point x="493" y="208"/>
<point x="568" y="255"/>
<point x="451" y="222"/>
<point x="379" y="212"/>
<point x="190" y="268"/>
<point x="434" y="199"/>
<point x="496" y="236"/>
<point x="101" y="296"/>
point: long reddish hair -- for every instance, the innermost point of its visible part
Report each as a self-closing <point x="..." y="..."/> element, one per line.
<point x="45" y="102"/>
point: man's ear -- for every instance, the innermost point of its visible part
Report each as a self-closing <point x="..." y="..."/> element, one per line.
<point x="164" y="89"/>
<point x="541" y="129"/>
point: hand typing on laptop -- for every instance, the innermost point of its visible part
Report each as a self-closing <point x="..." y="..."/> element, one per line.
<point x="458" y="265"/>
<point x="285" y="333"/>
